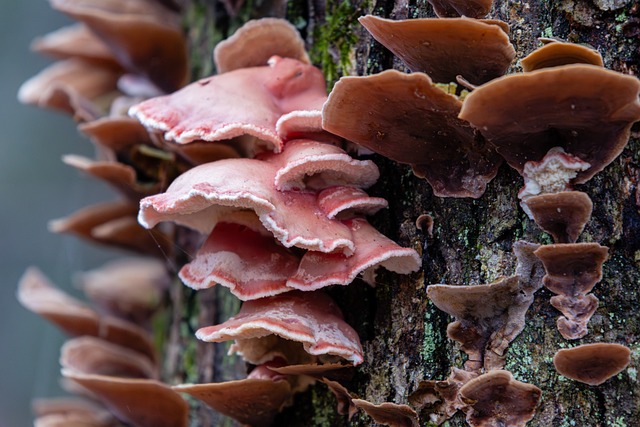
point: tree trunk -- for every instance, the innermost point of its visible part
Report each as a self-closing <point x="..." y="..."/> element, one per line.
<point x="402" y="332"/>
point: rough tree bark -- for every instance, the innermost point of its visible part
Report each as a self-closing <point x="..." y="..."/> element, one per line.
<point x="403" y="333"/>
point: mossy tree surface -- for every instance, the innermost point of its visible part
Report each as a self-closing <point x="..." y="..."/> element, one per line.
<point x="403" y="334"/>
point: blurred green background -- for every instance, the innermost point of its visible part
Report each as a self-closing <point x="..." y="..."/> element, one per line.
<point x="35" y="187"/>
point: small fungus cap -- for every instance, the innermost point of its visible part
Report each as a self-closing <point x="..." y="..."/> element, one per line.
<point x="497" y="399"/>
<point x="556" y="54"/>
<point x="479" y="51"/>
<point x="584" y="109"/>
<point x="563" y="215"/>
<point x="256" y="41"/>
<point x="406" y="118"/>
<point x="592" y="364"/>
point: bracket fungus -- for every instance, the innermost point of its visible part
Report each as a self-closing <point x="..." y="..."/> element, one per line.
<point x="572" y="270"/>
<point x="75" y="318"/>
<point x="479" y="51"/>
<point x="310" y="318"/>
<point x="246" y="101"/>
<point x="145" y="36"/>
<point x="406" y="118"/>
<point x="390" y="414"/>
<point x="256" y="41"/>
<point x="585" y="110"/>
<point x="592" y="364"/>
<point x="556" y="54"/>
<point x="563" y="214"/>
<point x="488" y="318"/>
<point x="497" y="399"/>
<point x="140" y="402"/>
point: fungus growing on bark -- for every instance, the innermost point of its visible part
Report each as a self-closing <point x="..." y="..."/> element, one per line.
<point x="246" y="101"/>
<point x="140" y="402"/>
<point x="73" y="86"/>
<point x="488" y="318"/>
<point x="309" y="318"/>
<point x="572" y="270"/>
<point x="91" y="355"/>
<point x="406" y="118"/>
<point x="592" y="364"/>
<point x="145" y="36"/>
<point x="114" y="224"/>
<point x="250" y="401"/>
<point x="556" y="54"/>
<point x="453" y="8"/>
<point x="479" y="51"/>
<point x="496" y="398"/>
<point x="75" y="318"/>
<point x="129" y="288"/>
<point x="585" y="110"/>
<point x="563" y="214"/>
<point x="256" y="41"/>
<point x="390" y="414"/>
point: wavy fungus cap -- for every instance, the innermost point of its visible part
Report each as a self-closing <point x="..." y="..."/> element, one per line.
<point x="584" y="109"/>
<point x="556" y="54"/>
<point x="479" y="51"/>
<point x="258" y="40"/>
<point x="406" y="118"/>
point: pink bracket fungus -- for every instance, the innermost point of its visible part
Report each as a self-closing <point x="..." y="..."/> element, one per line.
<point x="256" y="41"/>
<point x="479" y="51"/>
<point x="390" y="414"/>
<point x="253" y="402"/>
<point x="75" y="318"/>
<point x="556" y="54"/>
<point x="470" y="8"/>
<point x="246" y="101"/>
<point x="497" y="399"/>
<point x="563" y="214"/>
<point x="406" y="118"/>
<point x="70" y="411"/>
<point x="572" y="270"/>
<point x="145" y="36"/>
<point x="309" y="318"/>
<point x="592" y="364"/>
<point x="140" y="402"/>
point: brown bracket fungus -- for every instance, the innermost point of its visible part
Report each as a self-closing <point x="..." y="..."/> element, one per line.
<point x="470" y="8"/>
<point x="585" y="110"/>
<point x="75" y="318"/>
<point x="389" y="414"/>
<point x="406" y="118"/>
<point x="563" y="214"/>
<point x="253" y="402"/>
<point x="572" y="270"/>
<point x="309" y="318"/>
<point x="488" y="318"/>
<point x="556" y="54"/>
<point x="479" y="51"/>
<point x="256" y="41"/>
<point x="592" y="364"/>
<point x="70" y="412"/>
<point x="497" y="399"/>
<point x="139" y="402"/>
<point x="145" y="36"/>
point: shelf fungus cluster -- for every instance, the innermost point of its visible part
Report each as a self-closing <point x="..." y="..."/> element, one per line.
<point x="276" y="206"/>
<point x="248" y="170"/>
<point x="456" y="139"/>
